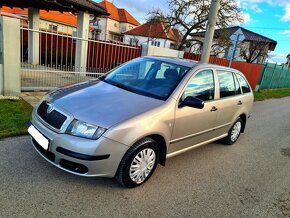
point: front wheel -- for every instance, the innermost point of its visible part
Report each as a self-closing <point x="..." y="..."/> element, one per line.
<point x="234" y="132"/>
<point x="138" y="164"/>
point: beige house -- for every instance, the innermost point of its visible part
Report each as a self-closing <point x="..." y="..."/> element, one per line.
<point x="111" y="27"/>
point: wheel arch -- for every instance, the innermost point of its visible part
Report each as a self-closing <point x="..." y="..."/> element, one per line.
<point x="159" y="139"/>
<point x="244" y="119"/>
<point x="161" y="142"/>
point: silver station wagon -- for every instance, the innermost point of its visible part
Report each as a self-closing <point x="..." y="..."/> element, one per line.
<point x="136" y="116"/>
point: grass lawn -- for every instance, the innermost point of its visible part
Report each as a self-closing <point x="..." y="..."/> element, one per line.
<point x="271" y="93"/>
<point x="14" y="116"/>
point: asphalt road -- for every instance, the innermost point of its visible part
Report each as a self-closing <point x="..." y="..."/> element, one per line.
<point x="248" y="179"/>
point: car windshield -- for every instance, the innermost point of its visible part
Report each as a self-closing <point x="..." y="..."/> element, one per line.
<point x="148" y="77"/>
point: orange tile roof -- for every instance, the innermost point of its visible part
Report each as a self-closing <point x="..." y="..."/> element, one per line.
<point x="155" y="29"/>
<point x="118" y="14"/>
<point x="64" y="18"/>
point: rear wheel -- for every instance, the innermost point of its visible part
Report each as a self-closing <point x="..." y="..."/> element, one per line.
<point x="234" y="132"/>
<point x="138" y="164"/>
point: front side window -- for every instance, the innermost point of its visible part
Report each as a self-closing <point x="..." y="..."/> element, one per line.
<point x="201" y="86"/>
<point x="228" y="84"/>
<point x="148" y="77"/>
<point x="244" y="84"/>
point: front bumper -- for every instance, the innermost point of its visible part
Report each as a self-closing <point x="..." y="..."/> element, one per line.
<point x="80" y="156"/>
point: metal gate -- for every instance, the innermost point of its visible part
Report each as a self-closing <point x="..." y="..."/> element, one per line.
<point x="57" y="59"/>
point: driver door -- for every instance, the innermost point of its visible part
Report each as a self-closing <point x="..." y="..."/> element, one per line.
<point x="192" y="125"/>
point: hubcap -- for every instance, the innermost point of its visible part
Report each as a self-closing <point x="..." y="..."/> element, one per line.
<point x="142" y="165"/>
<point x="236" y="131"/>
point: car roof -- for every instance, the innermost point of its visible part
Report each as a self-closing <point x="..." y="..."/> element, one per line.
<point x="178" y="61"/>
<point x="189" y="63"/>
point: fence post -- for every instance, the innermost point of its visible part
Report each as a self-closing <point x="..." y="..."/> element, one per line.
<point x="260" y="83"/>
<point x="10" y="56"/>
<point x="1" y="58"/>
<point x="33" y="37"/>
<point x="281" y="71"/>
<point x="272" y="76"/>
<point x="82" y="43"/>
<point x="286" y="83"/>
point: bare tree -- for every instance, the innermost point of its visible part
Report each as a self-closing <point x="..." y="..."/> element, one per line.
<point x="189" y="16"/>
<point x="252" y="50"/>
<point x="220" y="45"/>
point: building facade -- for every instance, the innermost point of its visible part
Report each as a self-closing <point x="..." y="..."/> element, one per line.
<point x="154" y="32"/>
<point x="236" y="43"/>
<point x="110" y="28"/>
<point x="54" y="21"/>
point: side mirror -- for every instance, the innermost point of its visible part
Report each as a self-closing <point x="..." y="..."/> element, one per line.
<point x="191" y="102"/>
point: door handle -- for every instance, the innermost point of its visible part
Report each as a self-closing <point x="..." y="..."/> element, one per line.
<point x="240" y="103"/>
<point x="213" y="109"/>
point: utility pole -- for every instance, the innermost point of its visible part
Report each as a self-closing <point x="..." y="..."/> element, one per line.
<point x="213" y="12"/>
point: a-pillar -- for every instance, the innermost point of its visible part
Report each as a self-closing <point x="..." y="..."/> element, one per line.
<point x="33" y="35"/>
<point x="82" y="41"/>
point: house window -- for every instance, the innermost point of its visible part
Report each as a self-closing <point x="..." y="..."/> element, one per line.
<point x="95" y="35"/>
<point x="131" y="41"/>
<point x="155" y="43"/>
<point x="172" y="46"/>
<point x="52" y="27"/>
<point x="130" y="27"/>
<point x="115" y="25"/>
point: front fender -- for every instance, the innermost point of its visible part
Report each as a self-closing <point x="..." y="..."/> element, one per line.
<point x="158" y="121"/>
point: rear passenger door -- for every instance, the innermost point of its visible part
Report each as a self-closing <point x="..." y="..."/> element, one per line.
<point x="230" y="99"/>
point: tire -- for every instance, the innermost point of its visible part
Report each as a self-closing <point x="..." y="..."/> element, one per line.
<point x="145" y="152"/>
<point x="234" y="132"/>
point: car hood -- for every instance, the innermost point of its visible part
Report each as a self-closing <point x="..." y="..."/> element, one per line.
<point x="101" y="104"/>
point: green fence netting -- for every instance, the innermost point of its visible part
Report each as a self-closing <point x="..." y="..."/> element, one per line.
<point x="274" y="76"/>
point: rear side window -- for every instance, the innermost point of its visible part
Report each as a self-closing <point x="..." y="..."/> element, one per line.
<point x="228" y="84"/>
<point x="201" y="86"/>
<point x="237" y="86"/>
<point x="244" y="84"/>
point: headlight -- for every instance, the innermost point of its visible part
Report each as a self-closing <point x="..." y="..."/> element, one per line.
<point x="85" y="130"/>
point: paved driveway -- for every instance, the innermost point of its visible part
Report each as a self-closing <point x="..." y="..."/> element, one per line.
<point x="249" y="179"/>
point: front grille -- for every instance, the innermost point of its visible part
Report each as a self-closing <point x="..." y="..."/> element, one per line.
<point x="54" y="118"/>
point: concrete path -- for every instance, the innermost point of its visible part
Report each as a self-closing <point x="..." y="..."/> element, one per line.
<point x="32" y="97"/>
<point x="248" y="179"/>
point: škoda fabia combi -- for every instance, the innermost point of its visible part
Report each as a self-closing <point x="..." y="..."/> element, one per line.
<point x="136" y="116"/>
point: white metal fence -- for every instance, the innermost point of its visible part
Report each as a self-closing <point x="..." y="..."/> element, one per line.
<point x="40" y="78"/>
<point x="57" y="52"/>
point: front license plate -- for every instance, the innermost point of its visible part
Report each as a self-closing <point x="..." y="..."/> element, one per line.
<point x="41" y="140"/>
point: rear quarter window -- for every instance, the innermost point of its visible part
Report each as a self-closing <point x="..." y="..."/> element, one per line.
<point x="244" y="84"/>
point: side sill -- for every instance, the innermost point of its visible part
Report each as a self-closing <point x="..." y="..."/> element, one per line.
<point x="195" y="146"/>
